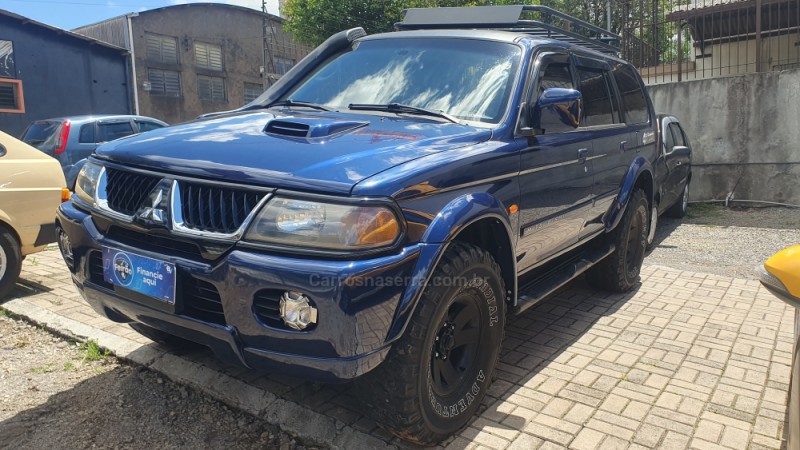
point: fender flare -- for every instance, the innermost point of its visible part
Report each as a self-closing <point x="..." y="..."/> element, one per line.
<point x="638" y="168"/>
<point x="451" y="220"/>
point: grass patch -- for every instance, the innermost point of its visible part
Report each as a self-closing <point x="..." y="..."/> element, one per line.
<point x="704" y="211"/>
<point x="44" y="369"/>
<point x="3" y="313"/>
<point x="91" y="351"/>
<point x="69" y="367"/>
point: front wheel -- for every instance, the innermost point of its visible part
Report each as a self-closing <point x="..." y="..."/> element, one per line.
<point x="619" y="272"/>
<point x="437" y="373"/>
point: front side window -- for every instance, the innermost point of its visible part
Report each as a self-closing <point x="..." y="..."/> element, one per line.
<point x="208" y="56"/>
<point x="467" y="79"/>
<point x="211" y="88"/>
<point x="147" y="125"/>
<point x="556" y="75"/>
<point x="164" y="82"/>
<point x="163" y="49"/>
<point x="596" y="93"/>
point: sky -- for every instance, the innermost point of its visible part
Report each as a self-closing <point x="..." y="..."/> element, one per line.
<point x="69" y="14"/>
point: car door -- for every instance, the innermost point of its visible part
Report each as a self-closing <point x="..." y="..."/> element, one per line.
<point x="555" y="177"/>
<point x="610" y="157"/>
<point x="87" y="141"/>
<point x="677" y="157"/>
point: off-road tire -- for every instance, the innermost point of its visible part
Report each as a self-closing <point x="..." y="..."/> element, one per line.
<point x="166" y="339"/>
<point x="407" y="394"/>
<point x="619" y="272"/>
<point x="11" y="261"/>
<point x="678" y="210"/>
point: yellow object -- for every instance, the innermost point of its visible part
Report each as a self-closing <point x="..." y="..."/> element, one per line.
<point x="785" y="266"/>
<point x="381" y="229"/>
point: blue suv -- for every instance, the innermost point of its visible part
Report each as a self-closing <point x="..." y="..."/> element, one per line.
<point x="381" y="211"/>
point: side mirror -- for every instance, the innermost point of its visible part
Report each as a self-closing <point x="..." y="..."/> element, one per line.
<point x="781" y="275"/>
<point x="2" y="150"/>
<point x="557" y="110"/>
<point x="680" y="150"/>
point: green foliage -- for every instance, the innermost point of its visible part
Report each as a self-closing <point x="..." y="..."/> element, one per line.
<point x="313" y="21"/>
<point x="93" y="352"/>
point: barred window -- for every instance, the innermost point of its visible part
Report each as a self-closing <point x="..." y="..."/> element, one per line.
<point x="162" y="48"/>
<point x="252" y="91"/>
<point x="208" y="56"/>
<point x="282" y="65"/>
<point x="11" y="100"/>
<point x="211" y="88"/>
<point x="164" y="82"/>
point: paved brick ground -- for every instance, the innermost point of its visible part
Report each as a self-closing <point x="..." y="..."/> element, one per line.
<point x="688" y="360"/>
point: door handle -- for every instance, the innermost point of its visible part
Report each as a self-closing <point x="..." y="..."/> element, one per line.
<point x="677" y="163"/>
<point x="622" y="145"/>
<point x="582" y="154"/>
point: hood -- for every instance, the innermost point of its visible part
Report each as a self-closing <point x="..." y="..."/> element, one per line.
<point x="323" y="151"/>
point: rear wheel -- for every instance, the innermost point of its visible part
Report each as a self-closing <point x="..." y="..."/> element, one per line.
<point x="678" y="210"/>
<point x="651" y="234"/>
<point x="10" y="262"/>
<point x="437" y="373"/>
<point x="619" y="272"/>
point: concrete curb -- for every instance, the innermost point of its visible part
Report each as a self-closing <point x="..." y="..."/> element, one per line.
<point x="297" y="420"/>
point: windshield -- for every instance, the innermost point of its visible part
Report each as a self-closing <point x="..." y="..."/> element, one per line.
<point x="467" y="79"/>
<point x="42" y="135"/>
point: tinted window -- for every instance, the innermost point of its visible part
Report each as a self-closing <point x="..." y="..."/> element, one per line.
<point x="469" y="79"/>
<point x="110" y="131"/>
<point x="42" y="135"/>
<point x="87" y="134"/>
<point x="677" y="136"/>
<point x="556" y="76"/>
<point x="148" y="126"/>
<point x="633" y="103"/>
<point x="598" y="108"/>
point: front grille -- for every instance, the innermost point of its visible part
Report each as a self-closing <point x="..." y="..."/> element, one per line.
<point x="266" y="306"/>
<point x="95" y="266"/>
<point x="126" y="191"/>
<point x="201" y="300"/>
<point x="155" y="243"/>
<point x="216" y="209"/>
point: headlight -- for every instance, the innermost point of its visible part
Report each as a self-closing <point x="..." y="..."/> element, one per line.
<point x="86" y="183"/>
<point x="332" y="226"/>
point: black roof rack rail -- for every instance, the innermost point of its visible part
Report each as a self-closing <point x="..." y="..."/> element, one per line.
<point x="550" y="24"/>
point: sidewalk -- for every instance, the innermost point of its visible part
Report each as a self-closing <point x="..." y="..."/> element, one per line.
<point x="689" y="360"/>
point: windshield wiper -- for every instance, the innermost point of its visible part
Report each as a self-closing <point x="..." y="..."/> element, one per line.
<point x="400" y="108"/>
<point x="290" y="102"/>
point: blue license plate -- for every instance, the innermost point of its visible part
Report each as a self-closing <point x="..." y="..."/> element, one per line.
<point x="141" y="274"/>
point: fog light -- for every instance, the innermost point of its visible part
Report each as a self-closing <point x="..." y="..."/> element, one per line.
<point x="296" y="310"/>
<point x="65" y="246"/>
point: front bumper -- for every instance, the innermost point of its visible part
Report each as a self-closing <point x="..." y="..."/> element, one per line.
<point x="356" y="301"/>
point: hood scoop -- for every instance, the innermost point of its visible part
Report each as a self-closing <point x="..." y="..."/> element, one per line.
<point x="311" y="128"/>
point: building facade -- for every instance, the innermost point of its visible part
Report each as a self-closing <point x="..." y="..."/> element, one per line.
<point x="198" y="58"/>
<point x="49" y="72"/>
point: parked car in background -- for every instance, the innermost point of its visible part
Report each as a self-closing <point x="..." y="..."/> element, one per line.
<point x="71" y="139"/>
<point x="673" y="172"/>
<point x="31" y="188"/>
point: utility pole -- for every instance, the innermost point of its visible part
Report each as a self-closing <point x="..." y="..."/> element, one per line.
<point x="608" y="15"/>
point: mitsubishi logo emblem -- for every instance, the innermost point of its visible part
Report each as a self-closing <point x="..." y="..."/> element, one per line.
<point x="153" y="213"/>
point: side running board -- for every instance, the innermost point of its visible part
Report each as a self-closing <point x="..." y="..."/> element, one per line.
<point x="558" y="274"/>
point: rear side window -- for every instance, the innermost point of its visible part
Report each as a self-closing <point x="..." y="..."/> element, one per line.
<point x="148" y="126"/>
<point x="110" y="131"/>
<point x="634" y="105"/>
<point x="42" y="135"/>
<point x="87" y="134"/>
<point x="598" y="106"/>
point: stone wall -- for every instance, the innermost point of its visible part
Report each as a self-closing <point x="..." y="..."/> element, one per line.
<point x="744" y="131"/>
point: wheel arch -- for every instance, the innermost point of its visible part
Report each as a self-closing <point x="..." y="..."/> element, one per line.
<point x="476" y="218"/>
<point x="639" y="176"/>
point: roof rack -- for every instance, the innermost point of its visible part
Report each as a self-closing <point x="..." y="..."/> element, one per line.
<point x="550" y="24"/>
